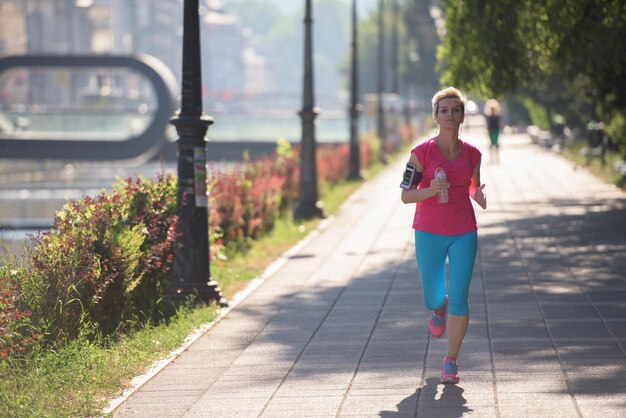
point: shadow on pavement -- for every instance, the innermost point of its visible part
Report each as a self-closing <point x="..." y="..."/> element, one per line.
<point x="432" y="400"/>
<point x="555" y="286"/>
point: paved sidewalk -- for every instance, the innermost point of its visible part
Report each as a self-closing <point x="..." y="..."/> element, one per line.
<point x="340" y="329"/>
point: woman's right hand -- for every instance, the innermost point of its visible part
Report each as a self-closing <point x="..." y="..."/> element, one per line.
<point x="438" y="185"/>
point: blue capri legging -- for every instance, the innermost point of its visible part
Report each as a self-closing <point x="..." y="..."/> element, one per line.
<point x="431" y="251"/>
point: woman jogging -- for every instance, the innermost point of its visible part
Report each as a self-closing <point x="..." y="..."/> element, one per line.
<point x="446" y="230"/>
<point x="494" y="126"/>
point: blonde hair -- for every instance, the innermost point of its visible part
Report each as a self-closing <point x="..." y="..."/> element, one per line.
<point x="449" y="92"/>
<point x="492" y="104"/>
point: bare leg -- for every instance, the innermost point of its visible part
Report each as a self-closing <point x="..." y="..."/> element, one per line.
<point x="457" y="326"/>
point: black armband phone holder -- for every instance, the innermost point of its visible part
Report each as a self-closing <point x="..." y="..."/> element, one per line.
<point x="411" y="177"/>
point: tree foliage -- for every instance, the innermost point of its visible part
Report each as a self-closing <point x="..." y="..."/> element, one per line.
<point x="556" y="51"/>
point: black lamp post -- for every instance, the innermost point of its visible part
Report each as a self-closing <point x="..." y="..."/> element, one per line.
<point x="394" y="46"/>
<point x="355" y="160"/>
<point x="381" y="130"/>
<point x="395" y="89"/>
<point x="306" y="206"/>
<point x="192" y="274"/>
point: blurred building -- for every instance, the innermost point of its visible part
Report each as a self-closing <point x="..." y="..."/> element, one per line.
<point x="13" y="31"/>
<point x="232" y="70"/>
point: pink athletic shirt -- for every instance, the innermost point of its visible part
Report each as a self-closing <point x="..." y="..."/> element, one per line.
<point x="457" y="216"/>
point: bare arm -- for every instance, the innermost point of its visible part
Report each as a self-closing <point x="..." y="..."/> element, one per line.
<point x="476" y="189"/>
<point x="415" y="195"/>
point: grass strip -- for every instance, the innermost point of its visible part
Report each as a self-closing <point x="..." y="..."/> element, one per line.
<point x="606" y="173"/>
<point x="77" y="379"/>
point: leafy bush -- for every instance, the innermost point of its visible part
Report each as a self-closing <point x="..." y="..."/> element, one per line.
<point x="107" y="259"/>
<point x="616" y="129"/>
<point x="152" y="206"/>
<point x="16" y="331"/>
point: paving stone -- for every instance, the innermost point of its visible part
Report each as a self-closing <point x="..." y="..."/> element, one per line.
<point x="615" y="295"/>
<point x="573" y="328"/>
<point x="612" y="309"/>
<point x="305" y="403"/>
<point x="606" y="367"/>
<point x="512" y="328"/>
<point x="515" y="409"/>
<point x="209" y="405"/>
<point x="379" y="404"/>
<point x="513" y="384"/>
<point x="617" y="327"/>
<point x="151" y="410"/>
<point x="567" y="311"/>
<point x="569" y="349"/>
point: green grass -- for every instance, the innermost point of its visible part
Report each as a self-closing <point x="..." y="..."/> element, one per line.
<point x="606" y="173"/>
<point x="79" y="379"/>
<point x="235" y="270"/>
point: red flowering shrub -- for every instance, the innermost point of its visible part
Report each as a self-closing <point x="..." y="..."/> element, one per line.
<point x="244" y="201"/>
<point x="332" y="163"/>
<point x="16" y="332"/>
<point x="247" y="198"/>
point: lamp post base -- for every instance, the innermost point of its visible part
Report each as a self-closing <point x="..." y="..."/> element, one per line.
<point x="355" y="177"/>
<point x="307" y="210"/>
<point x="208" y="292"/>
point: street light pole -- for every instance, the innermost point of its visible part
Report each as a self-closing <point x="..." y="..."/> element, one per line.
<point x="394" y="46"/>
<point x="381" y="131"/>
<point x="395" y="14"/>
<point x="306" y="206"/>
<point x="355" y="160"/>
<point x="192" y="275"/>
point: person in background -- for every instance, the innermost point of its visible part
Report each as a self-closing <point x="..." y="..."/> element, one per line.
<point x="494" y="126"/>
<point x="446" y="230"/>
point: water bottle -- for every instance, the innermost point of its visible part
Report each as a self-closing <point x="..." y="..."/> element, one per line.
<point x="442" y="196"/>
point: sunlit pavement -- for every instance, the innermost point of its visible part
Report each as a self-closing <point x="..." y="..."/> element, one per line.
<point x="339" y="329"/>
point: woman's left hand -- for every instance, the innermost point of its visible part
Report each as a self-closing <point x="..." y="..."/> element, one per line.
<point x="480" y="197"/>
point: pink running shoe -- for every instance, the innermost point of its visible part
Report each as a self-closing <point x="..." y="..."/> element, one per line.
<point x="449" y="371"/>
<point x="437" y="323"/>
